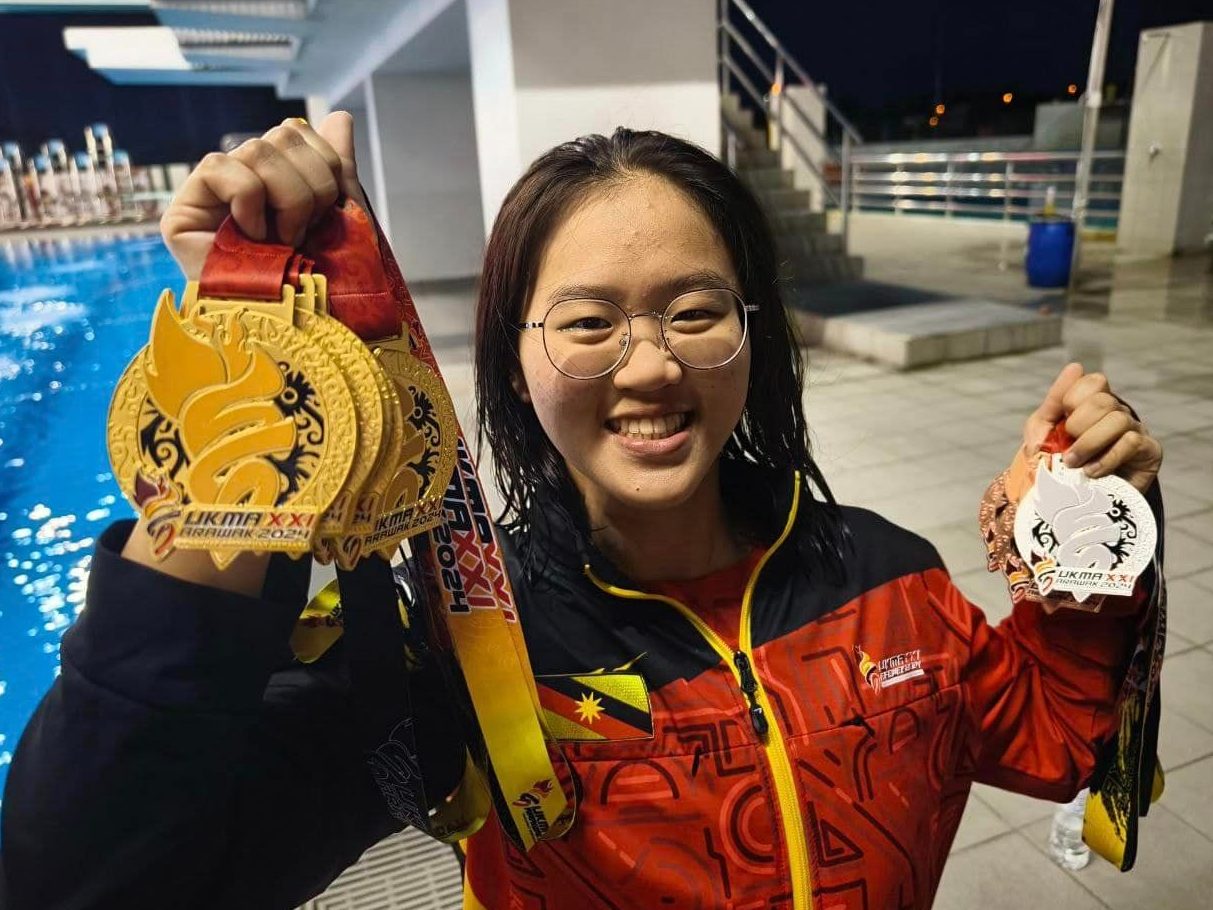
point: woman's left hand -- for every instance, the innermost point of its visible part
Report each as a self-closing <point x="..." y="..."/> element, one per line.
<point x="1107" y="438"/>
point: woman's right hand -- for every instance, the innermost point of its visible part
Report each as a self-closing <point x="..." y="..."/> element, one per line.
<point x="274" y="187"/>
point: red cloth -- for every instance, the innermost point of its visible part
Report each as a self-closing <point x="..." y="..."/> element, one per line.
<point x="343" y="246"/>
<point x="716" y="597"/>
<point x="239" y="267"/>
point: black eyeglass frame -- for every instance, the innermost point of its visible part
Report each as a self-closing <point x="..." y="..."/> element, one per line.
<point x="746" y="309"/>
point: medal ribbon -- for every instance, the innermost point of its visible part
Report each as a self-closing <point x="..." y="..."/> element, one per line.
<point x="462" y="564"/>
<point x="1127" y="775"/>
<point x="469" y="590"/>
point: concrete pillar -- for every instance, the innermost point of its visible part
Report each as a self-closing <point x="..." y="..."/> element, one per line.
<point x="491" y="48"/>
<point x="317" y="107"/>
<point x="371" y="164"/>
<point x="544" y="73"/>
<point x="365" y="151"/>
<point x="424" y="171"/>
<point x="1167" y="203"/>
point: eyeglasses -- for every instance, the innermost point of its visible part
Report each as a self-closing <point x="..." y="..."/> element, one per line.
<point x="586" y="338"/>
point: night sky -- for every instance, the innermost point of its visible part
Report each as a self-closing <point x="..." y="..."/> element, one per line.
<point x="874" y="53"/>
<point x="885" y="61"/>
<point x="882" y="58"/>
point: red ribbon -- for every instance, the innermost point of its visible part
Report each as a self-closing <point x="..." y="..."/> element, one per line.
<point x="1057" y="441"/>
<point x="345" y="245"/>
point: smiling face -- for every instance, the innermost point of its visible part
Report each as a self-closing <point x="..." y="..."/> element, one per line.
<point x="649" y="434"/>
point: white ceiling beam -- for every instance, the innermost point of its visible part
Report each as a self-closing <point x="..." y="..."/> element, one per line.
<point x="147" y="47"/>
<point x="335" y="84"/>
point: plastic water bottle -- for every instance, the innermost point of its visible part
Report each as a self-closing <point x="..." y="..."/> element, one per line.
<point x="1066" y="847"/>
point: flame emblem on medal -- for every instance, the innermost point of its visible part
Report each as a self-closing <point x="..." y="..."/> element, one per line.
<point x="1081" y="535"/>
<point x="240" y="418"/>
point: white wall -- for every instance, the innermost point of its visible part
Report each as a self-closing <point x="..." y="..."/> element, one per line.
<point x="593" y="66"/>
<point x="1167" y="204"/>
<point x="545" y="72"/>
<point x="550" y="116"/>
<point x="431" y="183"/>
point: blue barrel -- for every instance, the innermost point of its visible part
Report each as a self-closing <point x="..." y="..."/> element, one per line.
<point x="1050" y="248"/>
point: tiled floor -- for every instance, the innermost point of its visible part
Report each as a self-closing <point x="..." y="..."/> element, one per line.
<point x="919" y="447"/>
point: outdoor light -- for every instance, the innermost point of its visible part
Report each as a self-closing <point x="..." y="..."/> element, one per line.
<point x="934" y="121"/>
<point x="1072" y="89"/>
<point x="1007" y="97"/>
<point x="939" y="108"/>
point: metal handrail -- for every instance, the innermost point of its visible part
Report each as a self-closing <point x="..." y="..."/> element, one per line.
<point x="739" y="40"/>
<point x="773" y="105"/>
<point x="730" y="146"/>
<point x="744" y="81"/>
<point x="977" y="176"/>
<point x="966" y="192"/>
<point x="756" y="95"/>
<point x="799" y="70"/>
<point x="954" y="183"/>
<point x="944" y="157"/>
<point x="805" y="118"/>
<point x="770" y="75"/>
<point x="804" y="155"/>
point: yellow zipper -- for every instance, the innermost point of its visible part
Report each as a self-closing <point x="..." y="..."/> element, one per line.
<point x="762" y="714"/>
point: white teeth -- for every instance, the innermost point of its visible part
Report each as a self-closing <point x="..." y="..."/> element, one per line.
<point x="648" y="427"/>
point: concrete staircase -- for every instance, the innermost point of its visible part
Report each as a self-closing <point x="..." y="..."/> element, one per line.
<point x="810" y="254"/>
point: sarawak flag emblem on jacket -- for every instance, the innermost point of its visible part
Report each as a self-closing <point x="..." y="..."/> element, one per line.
<point x="596" y="706"/>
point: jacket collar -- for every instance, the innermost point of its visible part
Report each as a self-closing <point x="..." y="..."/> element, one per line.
<point x="560" y="541"/>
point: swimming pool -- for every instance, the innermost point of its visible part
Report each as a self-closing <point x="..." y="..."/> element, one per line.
<point x="72" y="312"/>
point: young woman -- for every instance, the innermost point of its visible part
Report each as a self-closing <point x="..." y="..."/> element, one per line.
<point x="789" y="699"/>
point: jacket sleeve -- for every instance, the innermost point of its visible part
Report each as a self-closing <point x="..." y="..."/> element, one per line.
<point x="182" y="758"/>
<point x="1042" y="690"/>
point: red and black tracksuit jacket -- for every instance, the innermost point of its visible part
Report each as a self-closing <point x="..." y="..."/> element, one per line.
<point x="820" y="758"/>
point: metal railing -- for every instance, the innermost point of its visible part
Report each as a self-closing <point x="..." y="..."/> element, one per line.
<point x="760" y="56"/>
<point x="1004" y="185"/>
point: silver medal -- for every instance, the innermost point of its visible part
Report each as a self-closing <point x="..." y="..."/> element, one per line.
<point x="1082" y="535"/>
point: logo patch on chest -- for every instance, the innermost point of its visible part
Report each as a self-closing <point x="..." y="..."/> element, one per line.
<point x="591" y="707"/>
<point x="883" y="672"/>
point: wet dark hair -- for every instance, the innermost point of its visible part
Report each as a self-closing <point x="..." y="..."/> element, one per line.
<point x="772" y="431"/>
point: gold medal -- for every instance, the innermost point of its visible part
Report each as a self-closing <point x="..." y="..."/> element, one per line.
<point x="367" y="506"/>
<point x="239" y="421"/>
<point x="346" y="550"/>
<point x="366" y="383"/>
<point x="361" y="371"/>
<point x="412" y="498"/>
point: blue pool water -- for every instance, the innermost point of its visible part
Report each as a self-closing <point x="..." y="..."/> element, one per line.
<point x="72" y="313"/>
